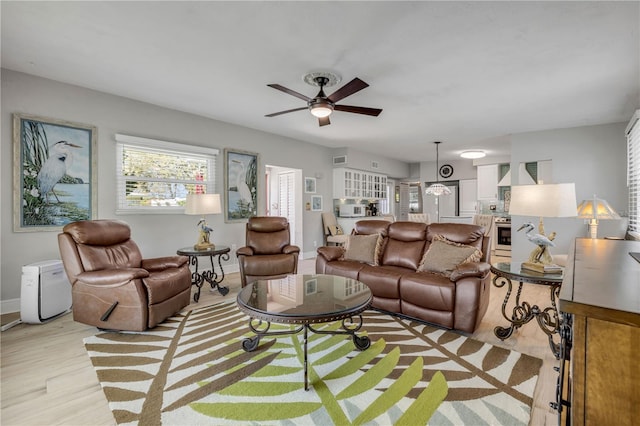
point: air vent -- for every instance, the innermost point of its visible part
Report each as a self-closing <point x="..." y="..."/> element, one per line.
<point x="374" y="165"/>
<point x="340" y="161"/>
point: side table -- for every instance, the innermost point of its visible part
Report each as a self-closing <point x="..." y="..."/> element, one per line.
<point x="212" y="277"/>
<point x="548" y="318"/>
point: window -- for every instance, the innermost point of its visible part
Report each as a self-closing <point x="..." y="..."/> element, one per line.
<point x="155" y="176"/>
<point x="633" y="172"/>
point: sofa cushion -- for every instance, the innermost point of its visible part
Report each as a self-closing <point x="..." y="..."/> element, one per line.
<point x="428" y="290"/>
<point x="443" y="256"/>
<point x="344" y="268"/>
<point x="363" y="248"/>
<point x="471" y="235"/>
<point x="382" y="280"/>
<point x="405" y="245"/>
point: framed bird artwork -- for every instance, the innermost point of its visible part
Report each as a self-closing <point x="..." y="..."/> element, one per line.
<point x="54" y="173"/>
<point x="240" y="185"/>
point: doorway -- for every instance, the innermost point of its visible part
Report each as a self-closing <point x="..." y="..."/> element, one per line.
<point x="284" y="198"/>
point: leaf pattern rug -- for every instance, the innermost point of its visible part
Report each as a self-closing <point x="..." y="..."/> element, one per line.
<point x="192" y="370"/>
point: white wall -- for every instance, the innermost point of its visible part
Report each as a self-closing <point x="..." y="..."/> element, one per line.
<point x="462" y="169"/>
<point x="593" y="157"/>
<point x="360" y="160"/>
<point x="157" y="235"/>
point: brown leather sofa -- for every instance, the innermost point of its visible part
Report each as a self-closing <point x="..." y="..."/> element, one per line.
<point x="268" y="253"/>
<point x="457" y="299"/>
<point x="113" y="287"/>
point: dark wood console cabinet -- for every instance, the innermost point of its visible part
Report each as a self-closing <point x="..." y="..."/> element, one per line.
<point x="599" y="381"/>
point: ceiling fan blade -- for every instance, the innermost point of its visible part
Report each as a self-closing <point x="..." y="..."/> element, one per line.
<point x="350" y="88"/>
<point x="324" y="121"/>
<point x="284" y="112"/>
<point x="289" y="91"/>
<point x="358" y="110"/>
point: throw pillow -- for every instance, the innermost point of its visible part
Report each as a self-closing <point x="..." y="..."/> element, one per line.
<point x="362" y="248"/>
<point x="444" y="255"/>
<point x="335" y="230"/>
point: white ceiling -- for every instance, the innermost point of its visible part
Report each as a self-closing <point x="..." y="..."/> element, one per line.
<point x="466" y="73"/>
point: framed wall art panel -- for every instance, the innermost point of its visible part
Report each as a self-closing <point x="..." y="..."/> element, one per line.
<point x="240" y="185"/>
<point x="54" y="173"/>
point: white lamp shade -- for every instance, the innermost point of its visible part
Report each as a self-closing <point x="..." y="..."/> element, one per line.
<point x="201" y="204"/>
<point x="551" y="200"/>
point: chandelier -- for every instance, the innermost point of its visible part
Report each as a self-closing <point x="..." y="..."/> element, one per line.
<point x="437" y="188"/>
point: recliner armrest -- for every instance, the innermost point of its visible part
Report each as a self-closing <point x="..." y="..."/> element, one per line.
<point x="470" y="269"/>
<point x="244" y="251"/>
<point x="289" y="249"/>
<point x="162" y="263"/>
<point x="331" y="252"/>
<point x="112" y="277"/>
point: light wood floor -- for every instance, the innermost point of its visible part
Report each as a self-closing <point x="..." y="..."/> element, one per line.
<point x="46" y="377"/>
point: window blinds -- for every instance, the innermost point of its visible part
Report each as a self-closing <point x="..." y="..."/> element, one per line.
<point x="633" y="170"/>
<point x="155" y="175"/>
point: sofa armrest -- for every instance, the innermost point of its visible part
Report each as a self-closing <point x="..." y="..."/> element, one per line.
<point x="470" y="269"/>
<point x="162" y="263"/>
<point x="244" y="251"/>
<point x="112" y="277"/>
<point x="331" y="252"/>
<point x="289" y="249"/>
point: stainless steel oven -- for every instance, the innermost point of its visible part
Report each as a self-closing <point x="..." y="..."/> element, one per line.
<point x="503" y="237"/>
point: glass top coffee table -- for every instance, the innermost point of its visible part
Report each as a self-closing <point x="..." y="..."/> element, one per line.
<point x="305" y="300"/>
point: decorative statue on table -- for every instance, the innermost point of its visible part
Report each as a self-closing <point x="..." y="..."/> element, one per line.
<point x="204" y="237"/>
<point x="540" y="259"/>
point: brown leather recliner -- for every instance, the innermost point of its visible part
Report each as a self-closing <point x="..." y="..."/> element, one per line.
<point x="268" y="253"/>
<point x="113" y="287"/>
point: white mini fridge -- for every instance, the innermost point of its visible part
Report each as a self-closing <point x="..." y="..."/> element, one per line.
<point x="45" y="292"/>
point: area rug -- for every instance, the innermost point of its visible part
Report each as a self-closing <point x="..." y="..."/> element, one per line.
<point x="192" y="370"/>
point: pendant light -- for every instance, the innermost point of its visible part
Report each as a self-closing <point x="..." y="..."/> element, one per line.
<point x="437" y="188"/>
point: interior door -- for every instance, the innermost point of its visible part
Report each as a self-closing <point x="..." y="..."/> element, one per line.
<point x="286" y="200"/>
<point x="284" y="186"/>
<point x="403" y="213"/>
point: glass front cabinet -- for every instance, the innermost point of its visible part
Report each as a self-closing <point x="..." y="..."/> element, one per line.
<point x="350" y="183"/>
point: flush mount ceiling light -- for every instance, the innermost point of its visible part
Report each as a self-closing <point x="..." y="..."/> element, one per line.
<point x="473" y="154"/>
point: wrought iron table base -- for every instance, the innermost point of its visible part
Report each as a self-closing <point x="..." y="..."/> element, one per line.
<point x="261" y="328"/>
<point x="548" y="318"/>
<point x="212" y="277"/>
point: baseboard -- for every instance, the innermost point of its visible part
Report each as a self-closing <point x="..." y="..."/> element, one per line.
<point x="8" y="306"/>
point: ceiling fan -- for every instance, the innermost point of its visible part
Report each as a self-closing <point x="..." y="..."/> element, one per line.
<point x="321" y="105"/>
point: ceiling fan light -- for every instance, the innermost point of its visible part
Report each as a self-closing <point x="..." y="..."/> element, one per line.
<point x="321" y="110"/>
<point x="473" y="154"/>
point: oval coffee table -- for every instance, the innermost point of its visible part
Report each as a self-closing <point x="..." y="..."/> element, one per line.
<point x="305" y="300"/>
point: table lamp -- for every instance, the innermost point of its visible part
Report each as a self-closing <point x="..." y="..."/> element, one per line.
<point x="203" y="204"/>
<point x="551" y="200"/>
<point x="595" y="209"/>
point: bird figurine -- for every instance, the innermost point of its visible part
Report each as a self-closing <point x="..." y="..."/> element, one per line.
<point x="204" y="240"/>
<point x="540" y="254"/>
<point x="55" y="167"/>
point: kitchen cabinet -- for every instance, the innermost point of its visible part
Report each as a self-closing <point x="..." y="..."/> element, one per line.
<point x="488" y="182"/>
<point x="350" y="183"/>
